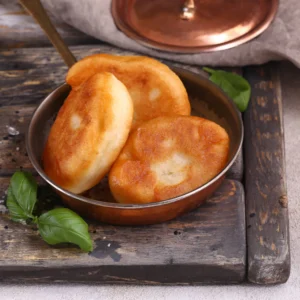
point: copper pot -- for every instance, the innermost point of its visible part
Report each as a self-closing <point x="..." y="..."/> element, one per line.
<point x="207" y="100"/>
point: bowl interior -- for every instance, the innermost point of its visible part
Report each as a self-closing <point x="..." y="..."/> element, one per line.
<point x="207" y="101"/>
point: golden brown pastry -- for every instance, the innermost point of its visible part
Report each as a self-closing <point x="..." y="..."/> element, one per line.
<point x="167" y="157"/>
<point x="89" y="132"/>
<point x="155" y="89"/>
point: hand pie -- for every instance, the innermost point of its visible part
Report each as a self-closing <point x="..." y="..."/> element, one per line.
<point x="88" y="134"/>
<point x="168" y="157"/>
<point x="155" y="89"/>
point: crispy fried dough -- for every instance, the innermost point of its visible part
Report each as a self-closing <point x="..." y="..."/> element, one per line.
<point x="155" y="89"/>
<point x="89" y="132"/>
<point x="167" y="157"/>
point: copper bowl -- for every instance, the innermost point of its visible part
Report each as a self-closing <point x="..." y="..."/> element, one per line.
<point x="207" y="100"/>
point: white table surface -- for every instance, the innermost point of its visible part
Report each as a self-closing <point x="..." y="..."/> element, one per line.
<point x="291" y="290"/>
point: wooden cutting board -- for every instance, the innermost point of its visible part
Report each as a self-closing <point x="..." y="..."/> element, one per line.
<point x="208" y="245"/>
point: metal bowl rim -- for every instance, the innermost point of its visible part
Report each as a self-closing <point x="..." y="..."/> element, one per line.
<point x="40" y="171"/>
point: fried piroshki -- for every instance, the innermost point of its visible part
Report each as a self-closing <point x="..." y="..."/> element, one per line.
<point x="154" y="88"/>
<point x="89" y="132"/>
<point x="168" y="157"/>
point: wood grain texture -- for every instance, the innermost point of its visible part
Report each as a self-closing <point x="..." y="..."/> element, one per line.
<point x="205" y="246"/>
<point x="18" y="29"/>
<point x="27" y="76"/>
<point x="265" y="186"/>
<point x="12" y="147"/>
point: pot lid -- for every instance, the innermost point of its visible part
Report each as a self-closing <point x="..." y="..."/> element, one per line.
<point x="193" y="25"/>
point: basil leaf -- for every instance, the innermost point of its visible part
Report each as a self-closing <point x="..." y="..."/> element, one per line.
<point x="61" y="225"/>
<point x="55" y="226"/>
<point x="235" y="86"/>
<point x="22" y="189"/>
<point x="16" y="212"/>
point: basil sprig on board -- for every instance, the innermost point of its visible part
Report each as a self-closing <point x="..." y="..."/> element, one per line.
<point x="235" y="86"/>
<point x="59" y="225"/>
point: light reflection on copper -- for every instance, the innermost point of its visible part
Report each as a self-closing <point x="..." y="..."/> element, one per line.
<point x="215" y="25"/>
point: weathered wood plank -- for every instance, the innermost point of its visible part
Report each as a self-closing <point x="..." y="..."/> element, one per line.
<point x="206" y="245"/>
<point x="266" y="195"/>
<point x="18" y="29"/>
<point x="27" y="75"/>
<point x="12" y="147"/>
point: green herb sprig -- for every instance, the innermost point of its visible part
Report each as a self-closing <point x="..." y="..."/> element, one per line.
<point x="235" y="86"/>
<point x="58" y="225"/>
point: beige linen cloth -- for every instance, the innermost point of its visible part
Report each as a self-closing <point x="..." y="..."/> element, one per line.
<point x="280" y="41"/>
